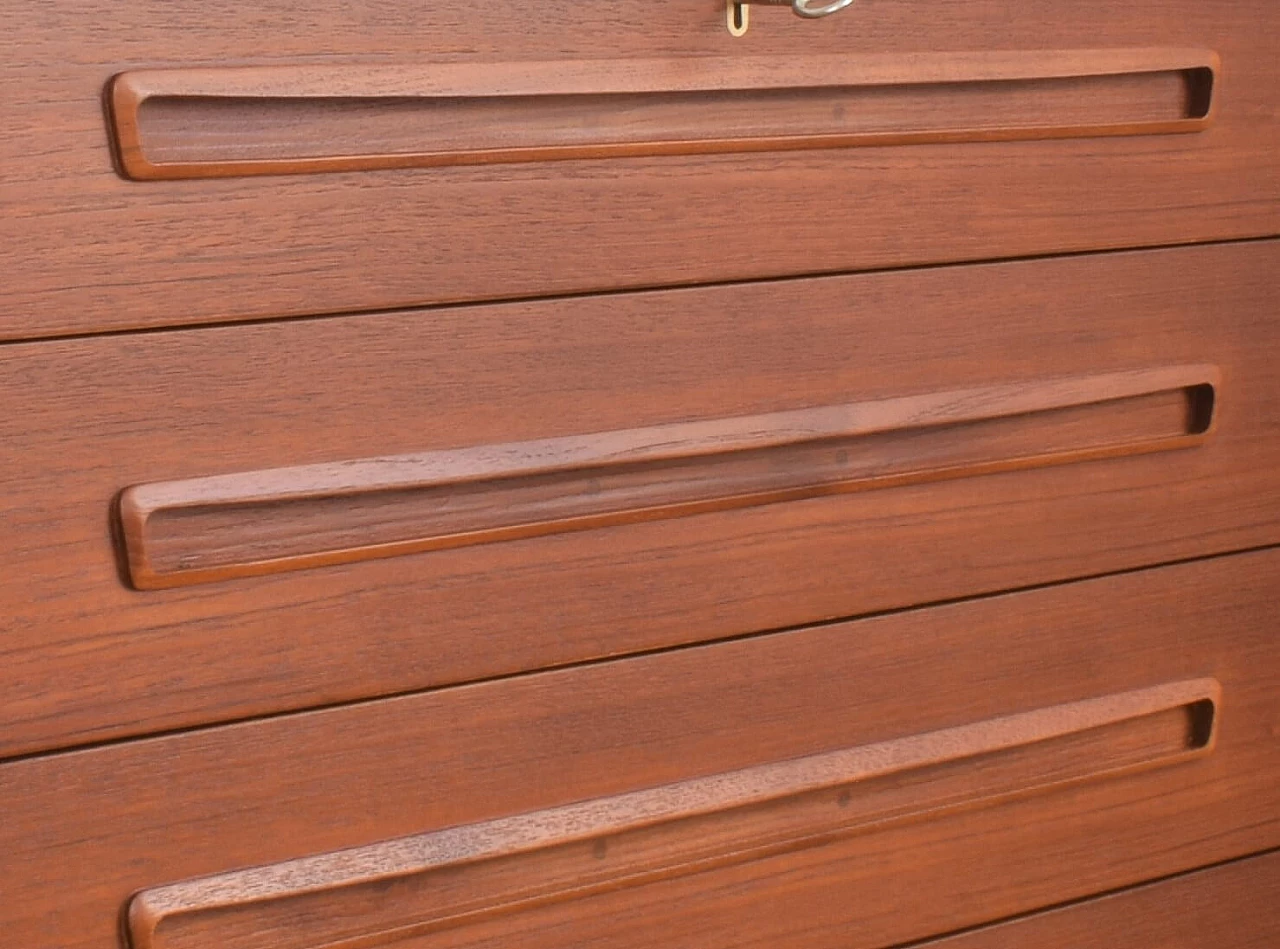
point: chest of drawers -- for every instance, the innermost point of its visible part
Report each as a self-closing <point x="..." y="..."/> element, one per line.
<point x="577" y="475"/>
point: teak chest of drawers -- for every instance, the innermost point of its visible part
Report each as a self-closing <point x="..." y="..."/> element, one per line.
<point x="653" y="475"/>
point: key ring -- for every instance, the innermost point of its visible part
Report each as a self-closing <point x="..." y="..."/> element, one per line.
<point x="739" y="10"/>
<point x="812" y="10"/>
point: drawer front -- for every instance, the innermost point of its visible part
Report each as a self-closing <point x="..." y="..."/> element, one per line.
<point x="1236" y="906"/>
<point x="205" y="525"/>
<point x="439" y="153"/>
<point x="854" y="785"/>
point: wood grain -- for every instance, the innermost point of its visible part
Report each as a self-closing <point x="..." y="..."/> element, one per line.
<point x="85" y="658"/>
<point x="336" y="899"/>
<point x="85" y="831"/>
<point x="213" y="123"/>
<point x="1236" y="906"/>
<point x="87" y="251"/>
<point x="210" y="529"/>
<point x="663" y="730"/>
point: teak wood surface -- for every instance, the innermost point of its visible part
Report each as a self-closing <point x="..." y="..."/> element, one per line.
<point x="1236" y="906"/>
<point x="490" y="475"/>
<point x="88" y="658"/>
<point x="874" y="862"/>
<point x="90" y="251"/>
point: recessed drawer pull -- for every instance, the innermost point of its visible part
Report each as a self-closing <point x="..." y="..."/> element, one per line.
<point x="276" y="120"/>
<point x="224" y="526"/>
<point x="414" y="886"/>
<point x="236" y="525"/>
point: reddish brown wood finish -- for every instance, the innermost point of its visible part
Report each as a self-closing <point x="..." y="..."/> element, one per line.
<point x="216" y="123"/>
<point x="87" y="658"/>
<point x="1236" y="906"/>
<point x="462" y="624"/>
<point x="85" y="831"/>
<point x="90" y="251"/>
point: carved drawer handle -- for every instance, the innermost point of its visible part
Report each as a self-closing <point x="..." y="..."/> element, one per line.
<point x="410" y="888"/>
<point x="327" y="118"/>
<point x="250" y="523"/>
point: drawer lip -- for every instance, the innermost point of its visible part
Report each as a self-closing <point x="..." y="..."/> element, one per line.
<point x="564" y="77"/>
<point x="131" y="818"/>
